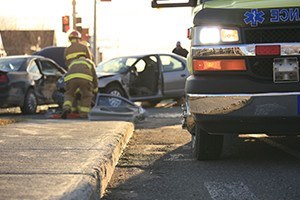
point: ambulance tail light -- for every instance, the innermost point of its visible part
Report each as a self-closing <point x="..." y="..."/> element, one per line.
<point x="267" y="50"/>
<point x="219" y="65"/>
<point x="189" y="33"/>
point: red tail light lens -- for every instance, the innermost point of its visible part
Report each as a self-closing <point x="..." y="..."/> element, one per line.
<point x="189" y="33"/>
<point x="267" y="50"/>
<point x="3" y="78"/>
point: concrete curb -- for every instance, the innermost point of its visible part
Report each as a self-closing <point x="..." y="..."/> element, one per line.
<point x="100" y="171"/>
<point x="60" y="159"/>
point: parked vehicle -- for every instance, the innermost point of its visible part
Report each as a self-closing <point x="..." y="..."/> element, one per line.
<point x="28" y="81"/>
<point x="245" y="70"/>
<point x="150" y="77"/>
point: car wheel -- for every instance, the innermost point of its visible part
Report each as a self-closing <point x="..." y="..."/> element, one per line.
<point x="117" y="91"/>
<point x="30" y="103"/>
<point x="206" y="146"/>
<point x="114" y="90"/>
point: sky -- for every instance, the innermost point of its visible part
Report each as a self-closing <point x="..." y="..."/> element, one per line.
<point x="124" y="27"/>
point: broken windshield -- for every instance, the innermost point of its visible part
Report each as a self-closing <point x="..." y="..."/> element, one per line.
<point x="116" y="65"/>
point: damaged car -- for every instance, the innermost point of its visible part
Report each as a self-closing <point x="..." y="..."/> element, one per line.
<point x="150" y="78"/>
<point x="28" y="81"/>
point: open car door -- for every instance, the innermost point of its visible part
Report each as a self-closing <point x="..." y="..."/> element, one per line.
<point x="116" y="108"/>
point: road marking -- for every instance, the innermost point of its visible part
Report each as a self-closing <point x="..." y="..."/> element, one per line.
<point x="229" y="191"/>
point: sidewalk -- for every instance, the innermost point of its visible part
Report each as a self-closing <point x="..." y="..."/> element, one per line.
<point x="59" y="159"/>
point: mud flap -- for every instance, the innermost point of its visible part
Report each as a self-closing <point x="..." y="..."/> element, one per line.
<point x="116" y="108"/>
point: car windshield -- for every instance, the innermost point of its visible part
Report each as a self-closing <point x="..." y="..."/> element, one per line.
<point x="11" y="64"/>
<point x="116" y="65"/>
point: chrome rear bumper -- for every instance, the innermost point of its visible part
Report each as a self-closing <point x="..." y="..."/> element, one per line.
<point x="270" y="113"/>
<point x="247" y="105"/>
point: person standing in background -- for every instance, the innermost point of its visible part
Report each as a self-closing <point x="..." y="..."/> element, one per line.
<point x="179" y="50"/>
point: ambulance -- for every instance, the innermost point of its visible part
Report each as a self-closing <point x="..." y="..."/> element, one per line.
<point x="244" y="63"/>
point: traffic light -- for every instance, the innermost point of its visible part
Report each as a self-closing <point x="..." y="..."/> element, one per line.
<point x="78" y="24"/>
<point x="65" y="23"/>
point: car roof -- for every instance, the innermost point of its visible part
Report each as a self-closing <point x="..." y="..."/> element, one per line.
<point x="31" y="57"/>
<point x="148" y="54"/>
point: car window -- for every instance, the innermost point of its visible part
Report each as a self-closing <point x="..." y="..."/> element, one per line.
<point x="33" y="68"/>
<point x="116" y="65"/>
<point x="146" y="62"/>
<point x="170" y="63"/>
<point x="130" y="61"/>
<point x="140" y="65"/>
<point x="48" y="68"/>
<point x="11" y="64"/>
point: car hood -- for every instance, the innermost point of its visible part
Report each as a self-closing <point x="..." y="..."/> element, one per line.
<point x="106" y="74"/>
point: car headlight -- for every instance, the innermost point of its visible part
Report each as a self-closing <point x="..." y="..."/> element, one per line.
<point x="215" y="35"/>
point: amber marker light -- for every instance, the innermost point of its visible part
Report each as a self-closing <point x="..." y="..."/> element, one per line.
<point x="219" y="65"/>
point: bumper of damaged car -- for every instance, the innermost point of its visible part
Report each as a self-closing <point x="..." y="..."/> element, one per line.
<point x="271" y="113"/>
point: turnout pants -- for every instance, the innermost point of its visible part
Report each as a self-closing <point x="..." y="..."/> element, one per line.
<point x="86" y="93"/>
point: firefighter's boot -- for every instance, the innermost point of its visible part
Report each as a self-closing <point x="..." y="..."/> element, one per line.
<point x="65" y="113"/>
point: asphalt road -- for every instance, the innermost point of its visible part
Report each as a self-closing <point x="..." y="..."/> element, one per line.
<point x="157" y="164"/>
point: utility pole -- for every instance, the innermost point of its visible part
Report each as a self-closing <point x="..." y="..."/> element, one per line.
<point x="74" y="14"/>
<point x="95" y="33"/>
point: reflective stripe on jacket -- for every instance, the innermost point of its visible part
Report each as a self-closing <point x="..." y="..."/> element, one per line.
<point x="78" y="75"/>
<point x="82" y="68"/>
<point x="75" y="50"/>
<point x="74" y="55"/>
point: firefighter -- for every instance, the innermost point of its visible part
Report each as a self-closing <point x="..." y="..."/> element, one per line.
<point x="80" y="78"/>
<point x="76" y="48"/>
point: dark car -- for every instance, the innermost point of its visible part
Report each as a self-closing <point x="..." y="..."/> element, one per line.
<point x="150" y="77"/>
<point x="54" y="53"/>
<point x="28" y="81"/>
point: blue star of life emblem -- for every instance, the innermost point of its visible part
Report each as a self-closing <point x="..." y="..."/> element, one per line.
<point x="254" y="17"/>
